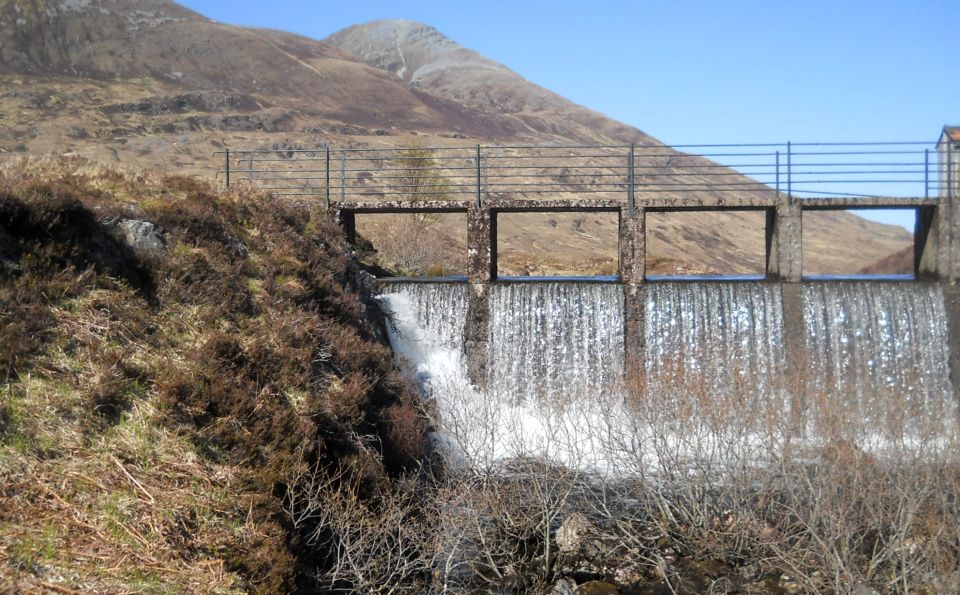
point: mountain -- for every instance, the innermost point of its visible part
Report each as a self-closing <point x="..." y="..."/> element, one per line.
<point x="151" y="84"/>
<point x="425" y="59"/>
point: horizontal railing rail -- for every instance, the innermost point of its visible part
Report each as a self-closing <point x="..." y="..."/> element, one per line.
<point x="633" y="172"/>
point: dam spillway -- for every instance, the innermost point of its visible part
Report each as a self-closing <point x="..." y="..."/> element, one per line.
<point x="873" y="349"/>
<point x="867" y="348"/>
<point x="879" y="349"/>
<point x="724" y="337"/>
<point x="554" y="340"/>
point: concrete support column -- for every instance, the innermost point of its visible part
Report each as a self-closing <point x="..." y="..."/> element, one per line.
<point x="633" y="245"/>
<point x="950" y="237"/>
<point x="481" y="270"/>
<point x="633" y="262"/>
<point x="929" y="243"/>
<point x="785" y="241"/>
<point x="951" y="298"/>
<point x="937" y="237"/>
<point x="348" y="221"/>
<point x="796" y="369"/>
<point x="949" y="269"/>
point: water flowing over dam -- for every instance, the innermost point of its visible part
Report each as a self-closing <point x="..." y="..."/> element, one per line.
<point x="723" y="336"/>
<point x="871" y="349"/>
<point x="879" y="348"/>
<point x="555" y="341"/>
<point x="782" y="349"/>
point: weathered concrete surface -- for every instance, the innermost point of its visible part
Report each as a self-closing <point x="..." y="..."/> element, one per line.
<point x="633" y="261"/>
<point x="785" y="242"/>
<point x="869" y="202"/>
<point x="481" y="247"/>
<point x="951" y="298"/>
<point x="938" y="228"/>
<point x="513" y="205"/>
<point x="929" y="251"/>
<point x="633" y="246"/>
<point x="693" y="203"/>
<point x="796" y="366"/>
<point x="634" y="334"/>
<point x="477" y="333"/>
<point x="402" y="206"/>
<point x="950" y="268"/>
<point x="481" y="270"/>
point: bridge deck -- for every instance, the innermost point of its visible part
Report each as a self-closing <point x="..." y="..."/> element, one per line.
<point x="666" y="203"/>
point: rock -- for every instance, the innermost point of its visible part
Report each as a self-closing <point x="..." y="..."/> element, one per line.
<point x="790" y="585"/>
<point x="143" y="236"/>
<point x="574" y="533"/>
<point x="628" y="575"/>
<point x="597" y="588"/>
<point x="564" y="587"/>
<point x="237" y="247"/>
<point x="862" y="589"/>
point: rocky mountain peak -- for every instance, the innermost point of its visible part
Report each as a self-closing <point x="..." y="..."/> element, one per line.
<point x="411" y="50"/>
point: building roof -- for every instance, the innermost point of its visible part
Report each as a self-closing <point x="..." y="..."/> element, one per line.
<point x="952" y="133"/>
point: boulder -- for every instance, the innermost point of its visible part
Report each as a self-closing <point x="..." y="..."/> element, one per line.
<point x="143" y="236"/>
<point x="575" y="534"/>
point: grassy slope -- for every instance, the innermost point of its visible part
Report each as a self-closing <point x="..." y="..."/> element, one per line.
<point x="154" y="407"/>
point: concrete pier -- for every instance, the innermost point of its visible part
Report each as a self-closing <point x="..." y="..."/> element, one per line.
<point x="784" y="242"/>
<point x="951" y="298"/>
<point x="481" y="270"/>
<point x="633" y="250"/>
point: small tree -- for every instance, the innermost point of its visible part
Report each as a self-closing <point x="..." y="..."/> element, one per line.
<point x="420" y="176"/>
<point x="412" y="241"/>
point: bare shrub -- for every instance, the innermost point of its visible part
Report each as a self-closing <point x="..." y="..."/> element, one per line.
<point x="371" y="545"/>
<point x="707" y="492"/>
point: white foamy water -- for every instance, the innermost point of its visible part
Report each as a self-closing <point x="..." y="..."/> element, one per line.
<point x="555" y="342"/>
<point x="535" y="359"/>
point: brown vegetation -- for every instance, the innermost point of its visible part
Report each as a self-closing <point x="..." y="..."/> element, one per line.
<point x="709" y="498"/>
<point x="153" y="406"/>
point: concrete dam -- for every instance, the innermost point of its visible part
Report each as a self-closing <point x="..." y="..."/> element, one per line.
<point x="870" y="348"/>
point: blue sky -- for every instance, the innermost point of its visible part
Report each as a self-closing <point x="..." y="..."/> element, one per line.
<point x="696" y="72"/>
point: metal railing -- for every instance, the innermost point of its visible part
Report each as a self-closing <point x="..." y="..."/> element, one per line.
<point x="478" y="172"/>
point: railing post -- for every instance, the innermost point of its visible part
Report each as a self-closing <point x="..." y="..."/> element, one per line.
<point x="926" y="173"/>
<point x="778" y="172"/>
<point x="949" y="170"/>
<point x="479" y="188"/>
<point x="784" y="235"/>
<point x="343" y="177"/>
<point x="250" y="169"/>
<point x="631" y="198"/>
<point x="227" y="153"/>
<point x="789" y="172"/>
<point x="327" y="175"/>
